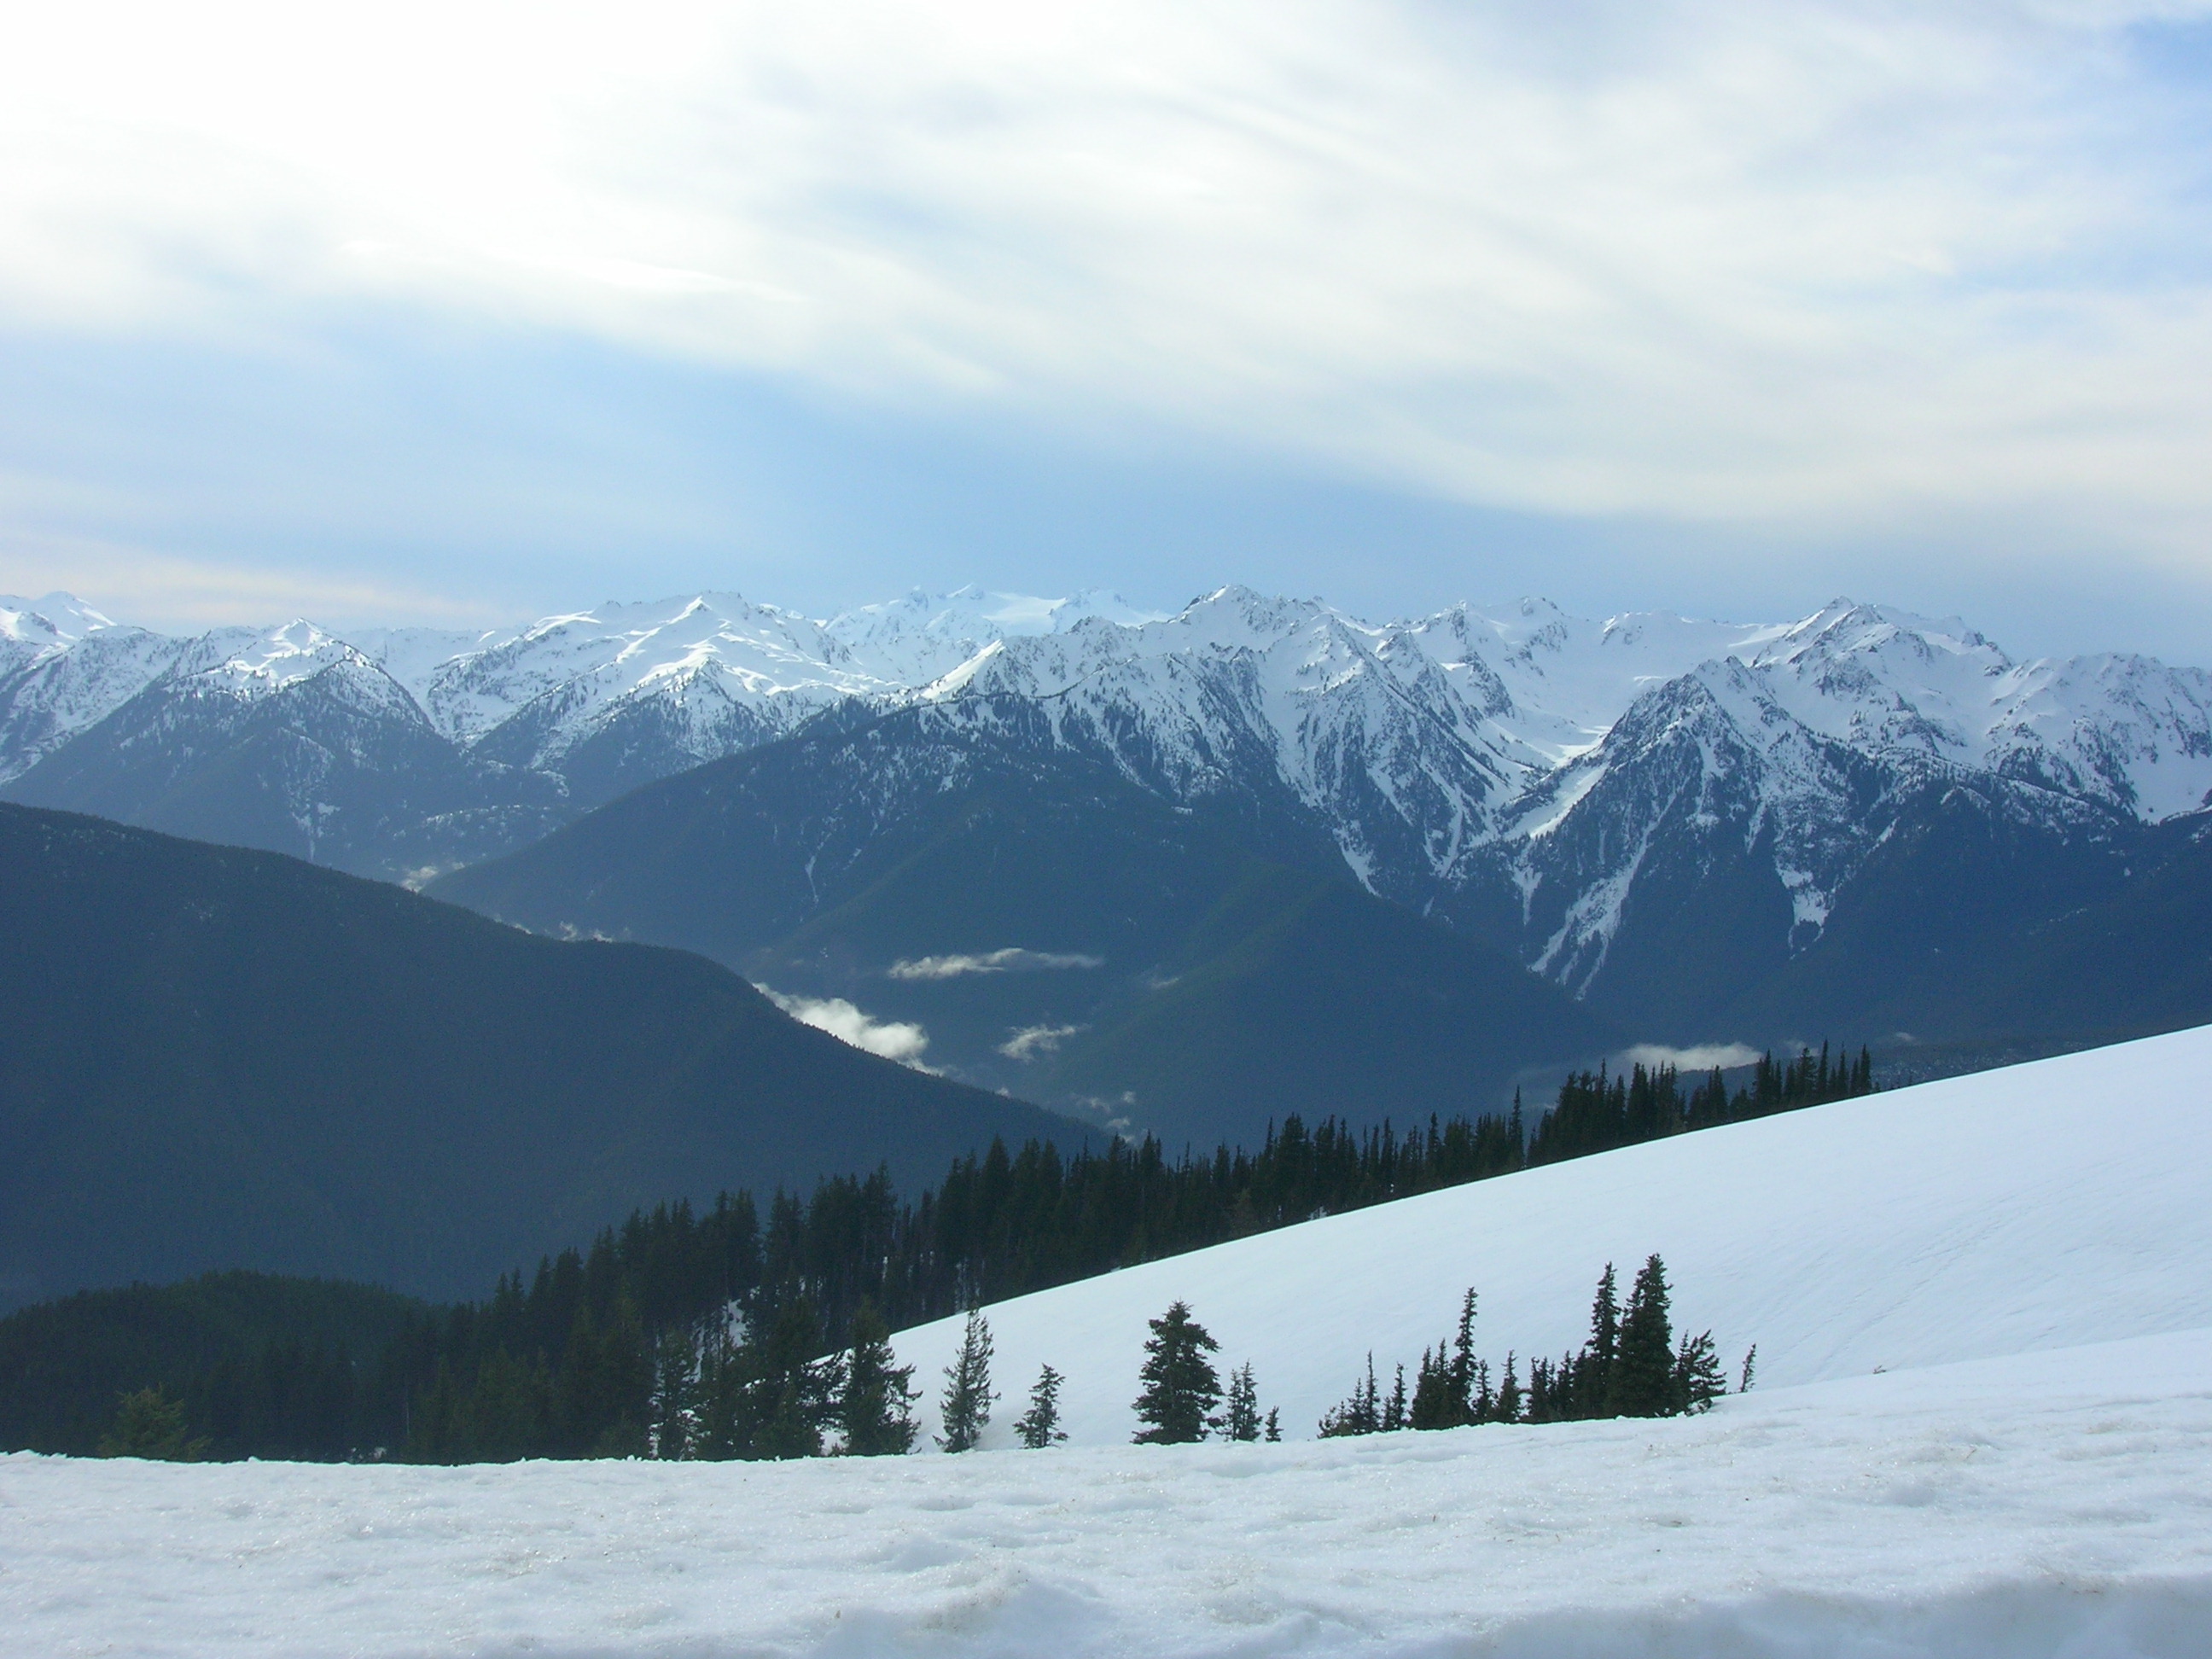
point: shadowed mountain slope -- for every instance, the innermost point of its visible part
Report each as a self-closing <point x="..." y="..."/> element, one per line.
<point x="1055" y="928"/>
<point x="214" y="1057"/>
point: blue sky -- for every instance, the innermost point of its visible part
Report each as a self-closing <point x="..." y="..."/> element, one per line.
<point x="472" y="311"/>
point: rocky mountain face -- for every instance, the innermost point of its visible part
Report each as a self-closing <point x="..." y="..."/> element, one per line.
<point x="1699" y="830"/>
<point x="401" y="752"/>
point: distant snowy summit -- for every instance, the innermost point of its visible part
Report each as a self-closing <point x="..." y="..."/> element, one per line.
<point x="1588" y="791"/>
<point x="1527" y="689"/>
<point x="719" y="670"/>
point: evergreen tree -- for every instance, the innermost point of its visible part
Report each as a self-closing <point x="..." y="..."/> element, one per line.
<point x="1359" y="1413"/>
<point x="150" y="1424"/>
<point x="1393" y="1411"/>
<point x="1446" y="1389"/>
<point x="1463" y="1360"/>
<point x="1593" y="1372"/>
<point x="966" y="1403"/>
<point x="674" y="1360"/>
<point x="876" y="1409"/>
<point x="1240" y="1414"/>
<point x="1699" y="1379"/>
<point x="722" y="1397"/>
<point x="1181" y="1387"/>
<point x="793" y="1395"/>
<point x="1039" y="1426"/>
<point x="1750" y="1364"/>
<point x="1275" y="1424"/>
<point x="1643" y="1371"/>
<point x="1544" y="1402"/>
<point x="1508" y="1408"/>
<point x="1434" y="1405"/>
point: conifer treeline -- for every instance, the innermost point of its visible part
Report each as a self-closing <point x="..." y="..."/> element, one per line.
<point x="1631" y="1366"/>
<point x="1596" y="1113"/>
<point x="716" y="1321"/>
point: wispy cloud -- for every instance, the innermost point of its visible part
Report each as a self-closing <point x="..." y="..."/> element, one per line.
<point x="1702" y="1057"/>
<point x="895" y="1040"/>
<point x="157" y="590"/>
<point x="1013" y="960"/>
<point x="1033" y="1040"/>
<point x="1689" y="258"/>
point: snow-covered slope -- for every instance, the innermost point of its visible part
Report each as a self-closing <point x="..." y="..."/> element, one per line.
<point x="2047" y="1502"/>
<point x="2046" y="1206"/>
<point x="2051" y="1508"/>
<point x="63" y="668"/>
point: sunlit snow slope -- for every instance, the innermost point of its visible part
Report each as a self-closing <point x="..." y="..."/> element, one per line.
<point x="2049" y="1507"/>
<point x="2044" y="1205"/>
<point x="2050" y="1500"/>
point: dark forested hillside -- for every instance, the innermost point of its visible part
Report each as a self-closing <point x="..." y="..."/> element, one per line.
<point x="263" y="1366"/>
<point x="216" y="1059"/>
<point x="713" y="1333"/>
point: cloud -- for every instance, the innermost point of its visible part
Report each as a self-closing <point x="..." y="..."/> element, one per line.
<point x="1703" y="1057"/>
<point x="1013" y="960"/>
<point x="1033" y="1040"/>
<point x="182" y="595"/>
<point x="892" y="1040"/>
<point x="1807" y="262"/>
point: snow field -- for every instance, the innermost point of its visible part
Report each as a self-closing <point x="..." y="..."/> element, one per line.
<point x="1983" y="1308"/>
<point x="2063" y="1202"/>
<point x="2032" y="1507"/>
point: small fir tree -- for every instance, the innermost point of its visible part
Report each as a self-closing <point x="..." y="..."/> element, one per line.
<point x="150" y="1424"/>
<point x="1275" y="1424"/>
<point x="1433" y="1406"/>
<point x="1750" y="1366"/>
<point x="789" y="1396"/>
<point x="876" y="1409"/>
<point x="675" y="1363"/>
<point x="1039" y="1426"/>
<point x="1699" y="1379"/>
<point x="1507" y="1409"/>
<point x="1642" y="1382"/>
<point x="1359" y="1413"/>
<point x="968" y="1396"/>
<point x="1181" y="1387"/>
<point x="1240" y="1414"/>
<point x="1393" y="1409"/>
<point x="1593" y="1372"/>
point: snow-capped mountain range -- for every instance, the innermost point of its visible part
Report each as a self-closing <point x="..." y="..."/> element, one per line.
<point x="1532" y="776"/>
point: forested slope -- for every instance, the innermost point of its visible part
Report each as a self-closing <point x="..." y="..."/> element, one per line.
<point x="216" y="1058"/>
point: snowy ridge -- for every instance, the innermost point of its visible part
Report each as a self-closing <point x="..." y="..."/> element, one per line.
<point x="1465" y="763"/>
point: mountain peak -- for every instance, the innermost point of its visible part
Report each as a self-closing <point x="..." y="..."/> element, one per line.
<point x="54" y="619"/>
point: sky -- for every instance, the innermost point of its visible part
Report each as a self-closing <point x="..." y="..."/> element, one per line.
<point x="468" y="312"/>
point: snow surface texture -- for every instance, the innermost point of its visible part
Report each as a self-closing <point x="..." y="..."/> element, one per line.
<point x="2023" y="1509"/>
<point x="2028" y="1253"/>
